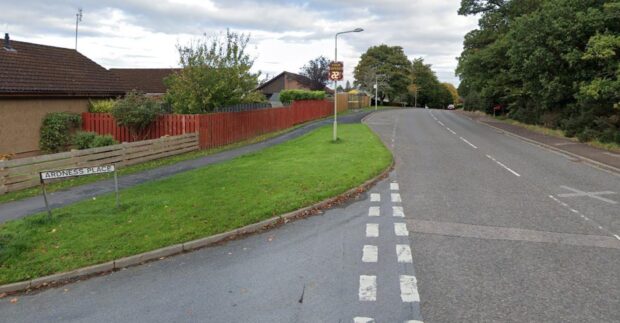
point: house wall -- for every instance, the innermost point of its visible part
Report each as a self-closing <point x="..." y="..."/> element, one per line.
<point x="20" y="121"/>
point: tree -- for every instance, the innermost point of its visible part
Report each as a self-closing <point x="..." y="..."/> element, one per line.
<point x="453" y="92"/>
<point x="348" y="86"/>
<point x="426" y="86"/>
<point x="318" y="71"/>
<point x="216" y="73"/>
<point x="391" y="63"/>
<point x="136" y="112"/>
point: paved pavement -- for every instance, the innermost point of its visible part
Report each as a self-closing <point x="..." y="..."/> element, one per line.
<point x="472" y="226"/>
<point x="25" y="207"/>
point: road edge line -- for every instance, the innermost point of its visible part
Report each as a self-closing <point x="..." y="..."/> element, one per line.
<point x="78" y="274"/>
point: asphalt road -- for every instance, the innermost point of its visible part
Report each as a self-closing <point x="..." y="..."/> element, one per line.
<point x="499" y="231"/>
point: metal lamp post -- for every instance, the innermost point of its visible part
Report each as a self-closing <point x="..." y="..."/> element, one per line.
<point x="356" y="30"/>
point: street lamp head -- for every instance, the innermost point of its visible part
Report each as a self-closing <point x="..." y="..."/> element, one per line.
<point x="357" y="30"/>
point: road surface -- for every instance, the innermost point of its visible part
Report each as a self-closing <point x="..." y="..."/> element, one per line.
<point x="471" y="226"/>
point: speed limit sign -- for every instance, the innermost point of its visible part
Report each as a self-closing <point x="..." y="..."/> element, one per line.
<point x="336" y="71"/>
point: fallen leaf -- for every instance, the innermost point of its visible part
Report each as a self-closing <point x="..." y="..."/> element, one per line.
<point x="270" y="238"/>
<point x="13" y="300"/>
<point x="3" y="295"/>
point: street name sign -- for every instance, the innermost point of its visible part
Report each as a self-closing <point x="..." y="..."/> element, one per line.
<point x="336" y="71"/>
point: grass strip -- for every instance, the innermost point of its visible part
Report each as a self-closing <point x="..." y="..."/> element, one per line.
<point x="77" y="181"/>
<point x="192" y="205"/>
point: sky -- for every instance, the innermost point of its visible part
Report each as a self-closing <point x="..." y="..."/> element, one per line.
<point x="285" y="35"/>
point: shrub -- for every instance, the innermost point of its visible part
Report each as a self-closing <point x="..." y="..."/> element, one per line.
<point x="84" y="139"/>
<point x="105" y="140"/>
<point x="136" y="112"/>
<point x="288" y="96"/>
<point x="101" y="106"/>
<point x="57" y="129"/>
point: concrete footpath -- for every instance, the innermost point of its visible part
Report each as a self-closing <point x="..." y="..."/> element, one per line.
<point x="18" y="209"/>
<point x="600" y="157"/>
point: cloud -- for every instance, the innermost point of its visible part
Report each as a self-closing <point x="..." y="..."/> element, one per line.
<point x="285" y="34"/>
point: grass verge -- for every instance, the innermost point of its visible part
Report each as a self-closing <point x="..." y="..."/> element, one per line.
<point x="192" y="205"/>
<point x="65" y="184"/>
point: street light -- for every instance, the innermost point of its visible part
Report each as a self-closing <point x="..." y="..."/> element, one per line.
<point x="356" y="30"/>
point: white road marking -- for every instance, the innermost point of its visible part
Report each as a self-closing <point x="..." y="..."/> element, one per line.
<point x="403" y="253"/>
<point x="441" y="123"/>
<point x="398" y="212"/>
<point x="375" y="197"/>
<point x="469" y="143"/>
<point x="368" y="288"/>
<point x="363" y="320"/>
<point x="592" y="222"/>
<point x="504" y="166"/>
<point x="394" y="186"/>
<point x="594" y="195"/>
<point x="374" y="211"/>
<point x="370" y="253"/>
<point x="413" y="321"/>
<point x="400" y="229"/>
<point x="409" y="289"/>
<point x="452" y="131"/>
<point x="396" y="198"/>
<point x="372" y="230"/>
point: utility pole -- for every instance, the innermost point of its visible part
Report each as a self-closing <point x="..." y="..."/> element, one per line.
<point x="356" y="30"/>
<point x="78" y="19"/>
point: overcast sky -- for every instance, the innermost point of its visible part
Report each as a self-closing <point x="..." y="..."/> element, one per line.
<point x="284" y="34"/>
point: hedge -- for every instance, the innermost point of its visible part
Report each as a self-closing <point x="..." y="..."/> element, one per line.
<point x="288" y="96"/>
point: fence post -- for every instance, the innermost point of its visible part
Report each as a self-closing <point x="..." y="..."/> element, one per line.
<point x="3" y="176"/>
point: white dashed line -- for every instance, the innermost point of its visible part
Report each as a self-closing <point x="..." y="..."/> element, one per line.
<point x="372" y="230"/>
<point x="396" y="198"/>
<point x="409" y="289"/>
<point x="397" y="211"/>
<point x="617" y="236"/>
<point x="400" y="230"/>
<point x="413" y="321"/>
<point x="394" y="186"/>
<point x="469" y="143"/>
<point x="452" y="131"/>
<point x="403" y="253"/>
<point x="504" y="166"/>
<point x="368" y="288"/>
<point x="363" y="320"/>
<point x="370" y="253"/>
<point x="592" y="222"/>
<point x="374" y="211"/>
<point x="441" y="123"/>
<point x="375" y="197"/>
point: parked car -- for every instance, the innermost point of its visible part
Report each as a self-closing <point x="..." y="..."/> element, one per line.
<point x="451" y="107"/>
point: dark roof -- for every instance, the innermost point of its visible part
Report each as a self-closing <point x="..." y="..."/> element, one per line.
<point x="301" y="79"/>
<point x="146" y="80"/>
<point x="39" y="70"/>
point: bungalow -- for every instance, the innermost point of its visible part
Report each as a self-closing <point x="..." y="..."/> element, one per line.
<point x="36" y="80"/>
<point x="149" y="81"/>
<point x="289" y="81"/>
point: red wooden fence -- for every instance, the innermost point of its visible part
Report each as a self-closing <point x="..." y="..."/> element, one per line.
<point x="216" y="129"/>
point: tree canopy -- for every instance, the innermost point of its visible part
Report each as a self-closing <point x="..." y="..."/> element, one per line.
<point x="317" y="70"/>
<point x="549" y="62"/>
<point x="216" y="73"/>
<point x="390" y="66"/>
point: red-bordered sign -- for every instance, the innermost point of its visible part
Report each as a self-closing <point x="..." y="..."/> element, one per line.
<point x="336" y="71"/>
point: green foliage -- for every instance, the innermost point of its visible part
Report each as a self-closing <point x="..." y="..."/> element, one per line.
<point x="85" y="140"/>
<point x="216" y="73"/>
<point x="389" y="66"/>
<point x="101" y="106"/>
<point x="424" y="83"/>
<point x="288" y="96"/>
<point x="104" y="140"/>
<point x="57" y="130"/>
<point x="318" y="71"/>
<point x="551" y="62"/>
<point x="136" y="112"/>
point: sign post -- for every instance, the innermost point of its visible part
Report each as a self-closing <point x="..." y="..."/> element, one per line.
<point x="75" y="172"/>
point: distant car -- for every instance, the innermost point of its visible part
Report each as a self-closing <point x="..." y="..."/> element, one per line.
<point x="451" y="107"/>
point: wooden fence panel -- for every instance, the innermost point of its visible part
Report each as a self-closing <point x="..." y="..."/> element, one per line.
<point x="23" y="173"/>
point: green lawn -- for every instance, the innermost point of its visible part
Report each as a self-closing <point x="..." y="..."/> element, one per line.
<point x="65" y="184"/>
<point x="193" y="204"/>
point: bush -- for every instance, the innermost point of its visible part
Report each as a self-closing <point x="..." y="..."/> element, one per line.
<point x="288" y="96"/>
<point x="136" y="112"/>
<point x="57" y="129"/>
<point x="101" y="106"/>
<point x="84" y="139"/>
<point x="102" y="141"/>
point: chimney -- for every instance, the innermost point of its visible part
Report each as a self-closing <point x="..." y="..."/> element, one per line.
<point x="7" y="41"/>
